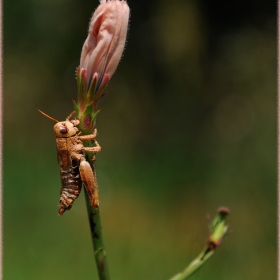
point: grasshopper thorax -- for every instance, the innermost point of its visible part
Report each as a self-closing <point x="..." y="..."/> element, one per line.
<point x="65" y="129"/>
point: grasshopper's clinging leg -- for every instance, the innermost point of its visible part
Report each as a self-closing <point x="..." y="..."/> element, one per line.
<point x="89" y="136"/>
<point x="95" y="149"/>
<point x="89" y="179"/>
<point x="88" y="176"/>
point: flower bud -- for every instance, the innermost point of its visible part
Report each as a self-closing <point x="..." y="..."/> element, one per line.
<point x="104" y="45"/>
<point x="100" y="57"/>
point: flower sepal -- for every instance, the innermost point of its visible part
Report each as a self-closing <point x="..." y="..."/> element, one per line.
<point x="88" y="97"/>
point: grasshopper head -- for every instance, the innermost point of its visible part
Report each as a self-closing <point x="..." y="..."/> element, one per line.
<point x="65" y="129"/>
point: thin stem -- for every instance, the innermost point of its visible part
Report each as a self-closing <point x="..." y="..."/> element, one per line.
<point x="96" y="229"/>
<point x="97" y="240"/>
<point x="193" y="266"/>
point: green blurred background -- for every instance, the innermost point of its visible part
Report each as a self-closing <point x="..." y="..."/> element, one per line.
<point x="188" y="125"/>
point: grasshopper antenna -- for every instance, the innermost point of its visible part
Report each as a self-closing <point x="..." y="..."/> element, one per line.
<point x="47" y="116"/>
<point x="70" y="116"/>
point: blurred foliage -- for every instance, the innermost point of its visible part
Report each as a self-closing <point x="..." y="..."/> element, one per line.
<point x="188" y="125"/>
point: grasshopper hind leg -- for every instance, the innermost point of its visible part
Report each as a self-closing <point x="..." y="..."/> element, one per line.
<point x="89" y="179"/>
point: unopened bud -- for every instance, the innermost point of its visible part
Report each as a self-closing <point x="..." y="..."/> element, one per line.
<point x="100" y="57"/>
<point x="104" y="45"/>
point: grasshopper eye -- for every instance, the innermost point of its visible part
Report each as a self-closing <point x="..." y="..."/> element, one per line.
<point x="63" y="129"/>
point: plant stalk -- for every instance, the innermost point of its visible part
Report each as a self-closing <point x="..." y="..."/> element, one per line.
<point x="97" y="240"/>
<point x="193" y="266"/>
<point x="96" y="230"/>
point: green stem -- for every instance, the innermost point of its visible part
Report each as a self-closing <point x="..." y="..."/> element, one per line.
<point x="97" y="240"/>
<point x="95" y="228"/>
<point x="193" y="266"/>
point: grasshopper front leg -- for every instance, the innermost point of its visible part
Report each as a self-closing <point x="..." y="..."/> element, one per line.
<point x="89" y="136"/>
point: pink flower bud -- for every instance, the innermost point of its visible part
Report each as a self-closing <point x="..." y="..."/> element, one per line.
<point x="104" y="45"/>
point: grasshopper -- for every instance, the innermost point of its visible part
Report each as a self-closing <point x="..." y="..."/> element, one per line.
<point x="74" y="169"/>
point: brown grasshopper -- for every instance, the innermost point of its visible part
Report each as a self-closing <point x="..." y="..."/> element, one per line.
<point x="74" y="169"/>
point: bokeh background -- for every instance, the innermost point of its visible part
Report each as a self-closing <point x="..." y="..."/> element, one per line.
<point x="188" y="125"/>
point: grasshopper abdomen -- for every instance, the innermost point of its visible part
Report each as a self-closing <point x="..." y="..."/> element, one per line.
<point x="71" y="185"/>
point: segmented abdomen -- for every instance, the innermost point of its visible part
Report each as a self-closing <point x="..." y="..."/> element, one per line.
<point x="71" y="187"/>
